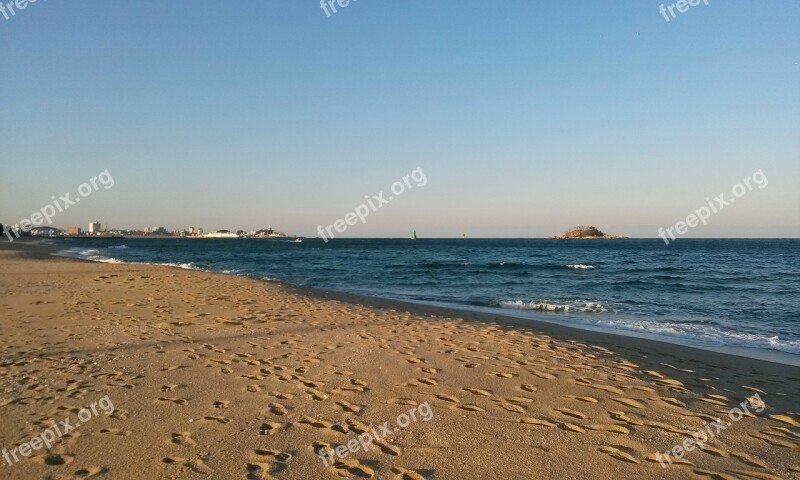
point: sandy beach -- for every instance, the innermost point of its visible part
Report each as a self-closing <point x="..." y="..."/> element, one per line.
<point x="167" y="373"/>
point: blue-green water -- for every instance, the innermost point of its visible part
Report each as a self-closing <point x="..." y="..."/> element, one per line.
<point x="741" y="293"/>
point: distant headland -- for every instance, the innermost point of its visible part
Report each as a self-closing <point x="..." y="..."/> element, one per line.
<point x="586" y="232"/>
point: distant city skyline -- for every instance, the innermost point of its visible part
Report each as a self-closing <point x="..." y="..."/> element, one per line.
<point x="527" y="118"/>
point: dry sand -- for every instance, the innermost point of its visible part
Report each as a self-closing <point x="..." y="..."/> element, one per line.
<point x="223" y="377"/>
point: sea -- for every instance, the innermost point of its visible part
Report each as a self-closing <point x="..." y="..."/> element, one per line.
<point x="739" y="296"/>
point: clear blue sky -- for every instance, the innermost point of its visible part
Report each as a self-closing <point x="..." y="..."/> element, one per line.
<point x="526" y="117"/>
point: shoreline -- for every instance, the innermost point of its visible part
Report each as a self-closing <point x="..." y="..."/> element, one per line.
<point x="777" y="357"/>
<point x="715" y="355"/>
<point x="222" y="376"/>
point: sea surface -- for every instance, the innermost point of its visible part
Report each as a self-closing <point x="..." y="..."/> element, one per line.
<point x="700" y="292"/>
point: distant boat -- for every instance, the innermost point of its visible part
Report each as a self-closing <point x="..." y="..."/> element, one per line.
<point x="414" y="236"/>
<point x="297" y="240"/>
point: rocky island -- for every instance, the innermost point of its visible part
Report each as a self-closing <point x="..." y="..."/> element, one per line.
<point x="586" y="232"/>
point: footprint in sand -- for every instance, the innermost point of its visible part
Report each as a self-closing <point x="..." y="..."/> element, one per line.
<point x="629" y="402"/>
<point x="116" y="431"/>
<point x="588" y="382"/>
<point x="478" y="391"/>
<point x="401" y="401"/>
<point x="711" y="450"/>
<point x="177" y="401"/>
<point x="282" y="396"/>
<point x="196" y="464"/>
<point x="183" y="439"/>
<point x="773" y="441"/>
<point x="581" y="399"/>
<point x="261" y="471"/>
<point x="702" y="474"/>
<point x="53" y="459"/>
<point x="355" y="426"/>
<point x="749" y="460"/>
<point x="511" y="407"/>
<point x="217" y="419"/>
<point x="469" y="408"/>
<point x="447" y="398"/>
<point x="570" y="427"/>
<point x="349" y="407"/>
<point x="518" y="400"/>
<point x="615" y="452"/>
<point x="536" y="421"/>
<point x="570" y="413"/>
<point x="717" y="400"/>
<point x="91" y="472"/>
<point x="279" y="456"/>
<point x="406" y="474"/>
<point x="269" y="428"/>
<point x="665" y="459"/>
<point x="322" y="424"/>
<point x="387" y="448"/>
<point x="672" y="401"/>
<point x="608" y="428"/>
<point x="422" y="382"/>
<point x="316" y="395"/>
<point x="500" y="374"/>
<point x="786" y="419"/>
<point x="221" y="404"/>
<point x="350" y="466"/>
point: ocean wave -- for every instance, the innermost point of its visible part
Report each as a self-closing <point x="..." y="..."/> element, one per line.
<point x="544" y="306"/>
<point x="701" y="334"/>
<point x="118" y="246"/>
<point x="580" y="266"/>
<point x="185" y="266"/>
<point x="507" y="265"/>
<point x="91" y="254"/>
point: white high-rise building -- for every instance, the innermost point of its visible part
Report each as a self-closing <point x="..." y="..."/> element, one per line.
<point x="95" y="228"/>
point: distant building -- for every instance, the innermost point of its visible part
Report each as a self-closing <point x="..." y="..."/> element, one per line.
<point x="72" y="231"/>
<point x="45" y="231"/>
<point x="95" y="228"/>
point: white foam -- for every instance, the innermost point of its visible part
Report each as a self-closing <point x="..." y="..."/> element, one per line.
<point x="545" y="306"/>
<point x="580" y="266"/>
<point x="691" y="333"/>
<point x="88" y="254"/>
<point x="185" y="266"/>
